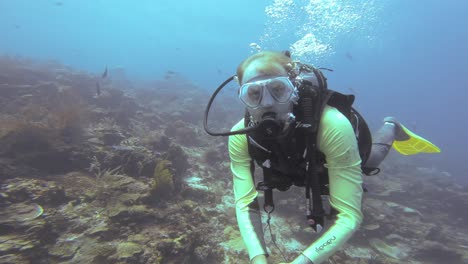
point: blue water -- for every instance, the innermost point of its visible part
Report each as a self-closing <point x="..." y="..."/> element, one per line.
<point x="403" y="58"/>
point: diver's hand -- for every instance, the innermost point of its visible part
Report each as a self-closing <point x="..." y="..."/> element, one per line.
<point x="260" y="259"/>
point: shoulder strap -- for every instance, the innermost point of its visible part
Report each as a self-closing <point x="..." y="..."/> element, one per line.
<point x="344" y="104"/>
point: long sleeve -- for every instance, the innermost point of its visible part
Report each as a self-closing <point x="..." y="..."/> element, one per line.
<point x="248" y="216"/>
<point x="336" y="139"/>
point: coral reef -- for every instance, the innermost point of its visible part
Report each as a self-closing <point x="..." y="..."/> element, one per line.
<point x="80" y="173"/>
<point x="128" y="176"/>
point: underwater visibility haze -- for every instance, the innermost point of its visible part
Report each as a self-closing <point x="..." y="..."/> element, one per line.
<point x="103" y="157"/>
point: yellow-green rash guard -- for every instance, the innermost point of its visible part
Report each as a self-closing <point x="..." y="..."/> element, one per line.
<point x="336" y="139"/>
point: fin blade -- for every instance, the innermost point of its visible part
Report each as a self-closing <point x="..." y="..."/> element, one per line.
<point x="414" y="145"/>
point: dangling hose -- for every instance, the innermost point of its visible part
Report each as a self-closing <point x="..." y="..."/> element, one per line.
<point x="207" y="110"/>
<point x="311" y="119"/>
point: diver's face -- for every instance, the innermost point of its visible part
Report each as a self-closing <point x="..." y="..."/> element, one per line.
<point x="267" y="96"/>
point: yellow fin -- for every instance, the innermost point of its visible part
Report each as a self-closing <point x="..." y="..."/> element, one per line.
<point x="414" y="145"/>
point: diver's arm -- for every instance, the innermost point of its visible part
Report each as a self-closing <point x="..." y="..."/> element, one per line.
<point x="336" y="139"/>
<point x="247" y="210"/>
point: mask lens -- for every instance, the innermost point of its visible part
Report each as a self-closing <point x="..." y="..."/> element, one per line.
<point x="251" y="94"/>
<point x="281" y="89"/>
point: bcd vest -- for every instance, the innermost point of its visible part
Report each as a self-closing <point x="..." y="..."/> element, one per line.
<point x="282" y="158"/>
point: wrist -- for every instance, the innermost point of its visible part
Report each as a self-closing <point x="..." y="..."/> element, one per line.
<point x="260" y="259"/>
<point x="302" y="259"/>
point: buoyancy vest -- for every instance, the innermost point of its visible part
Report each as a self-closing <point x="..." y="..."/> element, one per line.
<point x="284" y="164"/>
<point x="282" y="157"/>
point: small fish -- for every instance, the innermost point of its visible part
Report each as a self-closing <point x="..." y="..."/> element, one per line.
<point x="169" y="74"/>
<point x="104" y="74"/>
<point x="349" y="56"/>
<point x="98" y="89"/>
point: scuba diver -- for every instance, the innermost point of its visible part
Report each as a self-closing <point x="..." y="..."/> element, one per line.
<point x="303" y="134"/>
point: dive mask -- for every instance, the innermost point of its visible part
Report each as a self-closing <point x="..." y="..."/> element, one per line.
<point x="281" y="90"/>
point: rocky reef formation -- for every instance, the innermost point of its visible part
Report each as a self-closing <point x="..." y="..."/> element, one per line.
<point x="127" y="175"/>
<point x="102" y="178"/>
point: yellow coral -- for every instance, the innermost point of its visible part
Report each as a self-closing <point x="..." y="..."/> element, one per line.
<point x="163" y="179"/>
